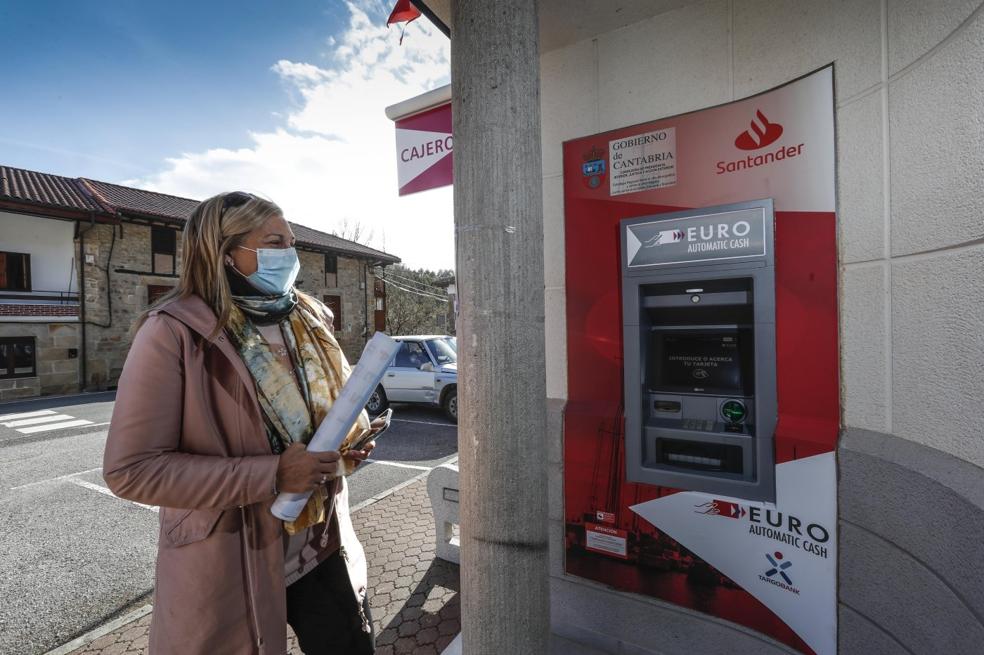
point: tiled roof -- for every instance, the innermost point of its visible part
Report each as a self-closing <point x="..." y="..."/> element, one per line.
<point x="45" y="189"/>
<point x="85" y="195"/>
<point x="160" y="205"/>
<point x="310" y="237"/>
<point x="138" y="201"/>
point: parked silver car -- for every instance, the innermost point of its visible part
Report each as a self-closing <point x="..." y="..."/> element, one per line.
<point x="424" y="370"/>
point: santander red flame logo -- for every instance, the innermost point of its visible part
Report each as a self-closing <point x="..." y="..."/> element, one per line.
<point x="761" y="134"/>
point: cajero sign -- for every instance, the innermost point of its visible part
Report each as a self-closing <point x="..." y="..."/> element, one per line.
<point x="736" y="234"/>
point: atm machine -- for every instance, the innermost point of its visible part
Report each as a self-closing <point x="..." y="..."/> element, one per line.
<point x="699" y="339"/>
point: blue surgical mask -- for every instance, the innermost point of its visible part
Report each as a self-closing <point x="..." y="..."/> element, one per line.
<point x="276" y="270"/>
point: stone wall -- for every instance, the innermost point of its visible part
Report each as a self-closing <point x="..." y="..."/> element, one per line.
<point x="111" y="309"/>
<point x="108" y="332"/>
<point x="355" y="287"/>
<point x="57" y="369"/>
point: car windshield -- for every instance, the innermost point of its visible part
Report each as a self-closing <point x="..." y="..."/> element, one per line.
<point x="445" y="350"/>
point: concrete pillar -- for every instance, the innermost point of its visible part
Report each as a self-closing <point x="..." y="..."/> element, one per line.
<point x="498" y="214"/>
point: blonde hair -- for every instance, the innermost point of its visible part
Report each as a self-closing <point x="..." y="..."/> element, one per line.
<point x="212" y="231"/>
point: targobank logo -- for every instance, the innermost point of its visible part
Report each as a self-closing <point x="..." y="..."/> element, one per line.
<point x="777" y="569"/>
<point x="778" y="566"/>
<point x="761" y="133"/>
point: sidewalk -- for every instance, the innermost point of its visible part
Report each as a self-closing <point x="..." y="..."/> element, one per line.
<point x="414" y="597"/>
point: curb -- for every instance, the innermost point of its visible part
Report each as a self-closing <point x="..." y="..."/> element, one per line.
<point x="102" y="630"/>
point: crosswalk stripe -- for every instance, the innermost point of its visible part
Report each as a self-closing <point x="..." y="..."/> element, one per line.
<point x="107" y="492"/>
<point x="38" y="419"/>
<point x="53" y="426"/>
<point x="14" y="417"/>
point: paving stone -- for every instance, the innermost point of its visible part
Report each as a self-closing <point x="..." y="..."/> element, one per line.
<point x="427" y="635"/>
<point x="448" y="627"/>
<point x="414" y="597"/>
<point x="409" y="629"/>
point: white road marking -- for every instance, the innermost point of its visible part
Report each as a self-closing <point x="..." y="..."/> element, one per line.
<point x="54" y="426"/>
<point x="402" y="466"/>
<point x="58" y="479"/>
<point x="443" y="425"/>
<point x="103" y="490"/>
<point x="38" y="419"/>
<point x="14" y="417"/>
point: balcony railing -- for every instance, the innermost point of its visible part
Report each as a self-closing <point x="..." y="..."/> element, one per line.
<point x="41" y="296"/>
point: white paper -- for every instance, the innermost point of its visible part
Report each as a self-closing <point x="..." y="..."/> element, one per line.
<point x="343" y="413"/>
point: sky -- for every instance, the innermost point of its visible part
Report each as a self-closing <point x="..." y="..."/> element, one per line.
<point x="284" y="99"/>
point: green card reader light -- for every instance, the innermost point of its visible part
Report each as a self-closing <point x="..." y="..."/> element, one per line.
<point x="734" y="413"/>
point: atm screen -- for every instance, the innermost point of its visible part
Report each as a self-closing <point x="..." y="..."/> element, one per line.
<point x="718" y="362"/>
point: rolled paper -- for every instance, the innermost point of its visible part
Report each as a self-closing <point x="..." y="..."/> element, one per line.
<point x="343" y="413"/>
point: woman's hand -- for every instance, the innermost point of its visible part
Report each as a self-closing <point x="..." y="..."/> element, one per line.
<point x="301" y="470"/>
<point x="356" y="457"/>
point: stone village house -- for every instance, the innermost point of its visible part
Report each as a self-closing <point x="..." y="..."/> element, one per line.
<point x="122" y="247"/>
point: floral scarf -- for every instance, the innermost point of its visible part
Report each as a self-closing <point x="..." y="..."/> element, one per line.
<point x="294" y="405"/>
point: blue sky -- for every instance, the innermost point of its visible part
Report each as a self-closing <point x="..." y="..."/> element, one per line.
<point x="194" y="98"/>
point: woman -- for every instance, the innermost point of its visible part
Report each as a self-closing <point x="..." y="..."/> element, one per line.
<point x="226" y="380"/>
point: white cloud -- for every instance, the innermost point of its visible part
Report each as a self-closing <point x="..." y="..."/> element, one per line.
<point x="333" y="158"/>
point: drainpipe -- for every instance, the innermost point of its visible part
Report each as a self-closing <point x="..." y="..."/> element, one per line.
<point x="83" y="351"/>
<point x="365" y="301"/>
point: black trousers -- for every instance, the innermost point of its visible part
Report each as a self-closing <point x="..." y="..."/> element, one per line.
<point x="324" y="614"/>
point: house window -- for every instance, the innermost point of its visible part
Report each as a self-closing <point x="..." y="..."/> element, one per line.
<point x="163" y="247"/>
<point x="17" y="357"/>
<point x="156" y="291"/>
<point x="15" y="271"/>
<point x="334" y="303"/>
<point x="331" y="270"/>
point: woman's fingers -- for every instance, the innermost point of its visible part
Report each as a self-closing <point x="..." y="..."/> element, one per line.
<point x="360" y="455"/>
<point x="327" y="468"/>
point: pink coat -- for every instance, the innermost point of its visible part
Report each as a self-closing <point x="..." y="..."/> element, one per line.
<point x="187" y="435"/>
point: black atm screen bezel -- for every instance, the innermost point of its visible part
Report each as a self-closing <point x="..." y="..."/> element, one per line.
<point x="746" y="348"/>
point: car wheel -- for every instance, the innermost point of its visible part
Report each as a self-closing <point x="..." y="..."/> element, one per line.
<point x="377" y="402"/>
<point x="450" y="404"/>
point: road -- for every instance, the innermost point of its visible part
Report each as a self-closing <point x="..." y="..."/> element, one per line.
<point x="72" y="555"/>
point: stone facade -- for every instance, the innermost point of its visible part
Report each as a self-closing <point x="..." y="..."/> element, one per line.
<point x="128" y="259"/>
<point x="57" y="359"/>
<point x="117" y="285"/>
<point x="353" y="284"/>
<point x="113" y="302"/>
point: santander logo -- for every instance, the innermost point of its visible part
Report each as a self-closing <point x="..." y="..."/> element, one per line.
<point x="761" y="134"/>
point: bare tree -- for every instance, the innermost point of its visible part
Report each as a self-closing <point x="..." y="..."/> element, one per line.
<point x="354" y="230"/>
<point x="416" y="303"/>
